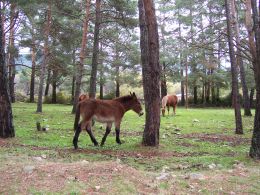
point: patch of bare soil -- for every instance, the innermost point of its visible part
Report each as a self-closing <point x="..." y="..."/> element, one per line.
<point x="82" y="177"/>
<point x="215" y="138"/>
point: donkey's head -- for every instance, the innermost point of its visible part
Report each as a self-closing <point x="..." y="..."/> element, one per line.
<point x="136" y="105"/>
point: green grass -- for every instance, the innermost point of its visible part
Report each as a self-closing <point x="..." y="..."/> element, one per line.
<point x="204" y="121"/>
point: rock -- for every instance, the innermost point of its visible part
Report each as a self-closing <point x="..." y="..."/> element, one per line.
<point x="84" y="162"/>
<point x="212" y="166"/>
<point x="164" y="169"/>
<point x="97" y="188"/>
<point x="239" y="166"/>
<point x="44" y="156"/>
<point x="177" y="129"/>
<point x="37" y="158"/>
<point x="195" y="120"/>
<point x="164" y="136"/>
<point x="197" y="176"/>
<point x="219" y="166"/>
<point x="118" y="160"/>
<point x="28" y="169"/>
<point x="163" y="176"/>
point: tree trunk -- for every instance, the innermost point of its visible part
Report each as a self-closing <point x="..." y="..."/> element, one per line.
<point x="163" y="81"/>
<point x="235" y="94"/>
<point x="252" y="91"/>
<point x="181" y="61"/>
<point x="6" y="116"/>
<point x="186" y="83"/>
<point x="213" y="94"/>
<point x="195" y="95"/>
<point x="45" y="61"/>
<point x="54" y="87"/>
<point x="48" y="81"/>
<point x="117" y="82"/>
<point x="93" y="77"/>
<point x="255" y="144"/>
<point x="73" y="77"/>
<point x="151" y="71"/>
<point x="11" y="60"/>
<point x="182" y="88"/>
<point x="33" y="57"/>
<point x="80" y="64"/>
<point x="247" y="111"/>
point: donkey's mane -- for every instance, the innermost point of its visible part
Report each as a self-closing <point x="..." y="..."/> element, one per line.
<point x="124" y="98"/>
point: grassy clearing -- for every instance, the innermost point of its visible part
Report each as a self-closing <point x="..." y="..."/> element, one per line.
<point x="189" y="142"/>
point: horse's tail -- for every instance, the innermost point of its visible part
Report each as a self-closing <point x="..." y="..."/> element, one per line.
<point x="77" y="117"/>
<point x="176" y="100"/>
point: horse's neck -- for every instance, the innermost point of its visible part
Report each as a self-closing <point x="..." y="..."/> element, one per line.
<point x="164" y="101"/>
<point x="125" y="104"/>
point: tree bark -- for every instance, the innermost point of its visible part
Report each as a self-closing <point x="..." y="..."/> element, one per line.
<point x="46" y="53"/>
<point x="6" y="116"/>
<point x="33" y="57"/>
<point x="163" y="81"/>
<point x="234" y="71"/>
<point x="48" y="81"/>
<point x="54" y="87"/>
<point x="255" y="143"/>
<point x="252" y="91"/>
<point x="73" y="77"/>
<point x="151" y="71"/>
<point x="11" y="60"/>
<point x="93" y="77"/>
<point x="80" y="64"/>
<point x="239" y="60"/>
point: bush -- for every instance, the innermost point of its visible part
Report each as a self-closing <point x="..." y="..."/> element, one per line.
<point x="61" y="98"/>
<point x="19" y="97"/>
<point x="109" y="96"/>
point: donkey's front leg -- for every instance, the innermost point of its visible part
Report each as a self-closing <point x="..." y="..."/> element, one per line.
<point x="76" y="136"/>
<point x="93" y="139"/>
<point x="108" y="129"/>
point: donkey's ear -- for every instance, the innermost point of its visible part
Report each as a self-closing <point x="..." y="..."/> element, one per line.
<point x="130" y="93"/>
<point x="134" y="94"/>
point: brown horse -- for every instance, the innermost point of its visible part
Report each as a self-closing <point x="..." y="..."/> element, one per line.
<point x="104" y="111"/>
<point x="169" y="100"/>
<point x="83" y="96"/>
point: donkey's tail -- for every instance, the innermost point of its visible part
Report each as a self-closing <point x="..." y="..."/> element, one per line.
<point x="77" y="117"/>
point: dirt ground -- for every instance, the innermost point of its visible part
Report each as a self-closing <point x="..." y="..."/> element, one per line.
<point x="24" y="174"/>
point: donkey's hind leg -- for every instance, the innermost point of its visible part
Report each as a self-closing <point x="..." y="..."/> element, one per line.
<point x="93" y="139"/>
<point x="117" y="126"/>
<point x="76" y="136"/>
<point x="108" y="129"/>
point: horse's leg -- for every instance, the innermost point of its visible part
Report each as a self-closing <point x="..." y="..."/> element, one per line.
<point x="108" y="129"/>
<point x="76" y="136"/>
<point x="174" y="109"/>
<point x="117" y="127"/>
<point x="168" y="108"/>
<point x="93" y="139"/>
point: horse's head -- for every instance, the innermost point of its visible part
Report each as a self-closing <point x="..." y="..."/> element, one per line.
<point x="136" y="106"/>
<point x="83" y="97"/>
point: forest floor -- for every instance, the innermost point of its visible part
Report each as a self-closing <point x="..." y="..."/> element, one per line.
<point x="198" y="154"/>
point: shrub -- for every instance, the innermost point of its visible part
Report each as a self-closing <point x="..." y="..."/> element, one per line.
<point x="61" y="98"/>
<point x="21" y="97"/>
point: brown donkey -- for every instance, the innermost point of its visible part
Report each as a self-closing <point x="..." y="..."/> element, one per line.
<point x="169" y="100"/>
<point x="104" y="111"/>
